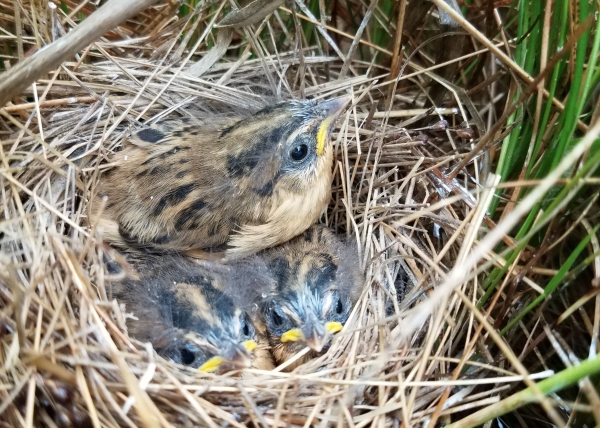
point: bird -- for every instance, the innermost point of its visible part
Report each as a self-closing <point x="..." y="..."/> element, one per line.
<point x="318" y="281"/>
<point x="220" y="188"/>
<point x="196" y="314"/>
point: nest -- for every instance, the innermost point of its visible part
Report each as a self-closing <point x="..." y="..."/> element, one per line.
<point x="413" y="350"/>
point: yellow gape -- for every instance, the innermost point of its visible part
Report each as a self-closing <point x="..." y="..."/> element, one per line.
<point x="333" y="327"/>
<point x="249" y="345"/>
<point x="296" y="334"/>
<point x="293" y="335"/>
<point x="322" y="136"/>
<point x="212" y="364"/>
<point x="215" y="362"/>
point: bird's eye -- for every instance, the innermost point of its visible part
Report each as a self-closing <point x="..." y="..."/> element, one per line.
<point x="339" y="307"/>
<point x="246" y="329"/>
<point x="299" y="152"/>
<point x="277" y="320"/>
<point x="187" y="356"/>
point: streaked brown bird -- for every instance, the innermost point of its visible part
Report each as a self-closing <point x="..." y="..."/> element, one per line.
<point x="198" y="315"/>
<point x="318" y="282"/>
<point x="223" y="187"/>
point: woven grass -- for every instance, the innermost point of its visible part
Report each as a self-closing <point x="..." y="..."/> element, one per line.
<point x="416" y="350"/>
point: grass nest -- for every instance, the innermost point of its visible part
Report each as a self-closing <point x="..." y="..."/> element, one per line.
<point x="429" y="342"/>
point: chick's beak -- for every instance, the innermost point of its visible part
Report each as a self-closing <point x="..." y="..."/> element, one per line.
<point x="316" y="337"/>
<point x="333" y="108"/>
<point x="234" y="357"/>
<point x="317" y="334"/>
<point x="313" y="333"/>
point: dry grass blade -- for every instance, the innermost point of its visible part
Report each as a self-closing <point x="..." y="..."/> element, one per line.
<point x="251" y="14"/>
<point x="114" y="12"/>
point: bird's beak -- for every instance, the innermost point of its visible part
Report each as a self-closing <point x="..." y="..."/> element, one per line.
<point x="316" y="338"/>
<point x="319" y="334"/>
<point x="234" y="357"/>
<point x="331" y="110"/>
<point x="314" y="333"/>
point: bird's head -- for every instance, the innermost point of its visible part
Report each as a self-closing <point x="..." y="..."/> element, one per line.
<point x="200" y="315"/>
<point x="215" y="338"/>
<point x="286" y="143"/>
<point x="222" y="347"/>
<point x="315" y="292"/>
<point x="307" y="316"/>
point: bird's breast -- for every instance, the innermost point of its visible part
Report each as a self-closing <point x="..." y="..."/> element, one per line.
<point x="289" y="214"/>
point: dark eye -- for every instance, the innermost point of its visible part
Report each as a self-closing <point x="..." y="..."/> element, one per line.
<point x="187" y="356"/>
<point x="246" y="329"/>
<point x="339" y="307"/>
<point x="299" y="152"/>
<point x="277" y="320"/>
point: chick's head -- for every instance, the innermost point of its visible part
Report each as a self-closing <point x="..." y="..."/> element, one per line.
<point x="317" y="285"/>
<point x="185" y="310"/>
<point x="213" y="334"/>
<point x="282" y="147"/>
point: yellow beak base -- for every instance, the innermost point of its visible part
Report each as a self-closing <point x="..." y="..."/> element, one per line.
<point x="215" y="362"/>
<point x="293" y="335"/>
<point x="212" y="365"/>
<point x="249" y="345"/>
<point x="333" y="327"/>
<point x="322" y="135"/>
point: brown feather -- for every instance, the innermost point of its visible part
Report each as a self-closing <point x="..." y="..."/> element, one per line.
<point x="225" y="187"/>
<point x="190" y="312"/>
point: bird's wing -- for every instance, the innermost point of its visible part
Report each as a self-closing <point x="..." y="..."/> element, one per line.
<point x="161" y="132"/>
<point x="151" y="135"/>
<point x="168" y="189"/>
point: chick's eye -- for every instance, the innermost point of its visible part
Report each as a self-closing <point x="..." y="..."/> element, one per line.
<point x="299" y="152"/>
<point x="246" y="329"/>
<point x="276" y="318"/>
<point x="339" y="308"/>
<point x="187" y="356"/>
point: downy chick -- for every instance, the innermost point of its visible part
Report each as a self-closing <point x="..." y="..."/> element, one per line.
<point x="318" y="283"/>
<point x="222" y="188"/>
<point x="198" y="315"/>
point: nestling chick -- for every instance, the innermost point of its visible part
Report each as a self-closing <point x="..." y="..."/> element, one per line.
<point x="230" y="186"/>
<point x="317" y="285"/>
<point x="198" y="315"/>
